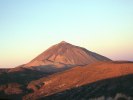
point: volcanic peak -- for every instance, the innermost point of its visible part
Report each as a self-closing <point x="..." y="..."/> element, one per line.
<point x="65" y="54"/>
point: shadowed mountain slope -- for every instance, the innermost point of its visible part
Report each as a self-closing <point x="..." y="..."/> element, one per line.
<point x="13" y="82"/>
<point x="4" y="70"/>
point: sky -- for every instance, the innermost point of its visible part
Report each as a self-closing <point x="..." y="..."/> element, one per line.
<point x="29" y="27"/>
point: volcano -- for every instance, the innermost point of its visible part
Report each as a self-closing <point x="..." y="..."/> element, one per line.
<point x="64" y="55"/>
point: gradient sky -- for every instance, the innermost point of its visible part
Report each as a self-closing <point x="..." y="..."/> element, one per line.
<point x="28" y="27"/>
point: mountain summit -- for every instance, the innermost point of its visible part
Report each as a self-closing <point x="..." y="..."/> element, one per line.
<point x="65" y="55"/>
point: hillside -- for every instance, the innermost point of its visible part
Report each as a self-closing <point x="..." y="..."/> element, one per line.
<point x="77" y="77"/>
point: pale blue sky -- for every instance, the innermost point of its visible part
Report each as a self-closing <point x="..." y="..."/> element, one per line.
<point x="28" y="27"/>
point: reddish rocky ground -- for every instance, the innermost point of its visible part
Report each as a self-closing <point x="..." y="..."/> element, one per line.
<point x="77" y="77"/>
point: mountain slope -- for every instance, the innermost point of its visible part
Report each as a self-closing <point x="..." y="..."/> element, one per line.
<point x="64" y="55"/>
<point x="118" y="88"/>
<point x="77" y="77"/>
